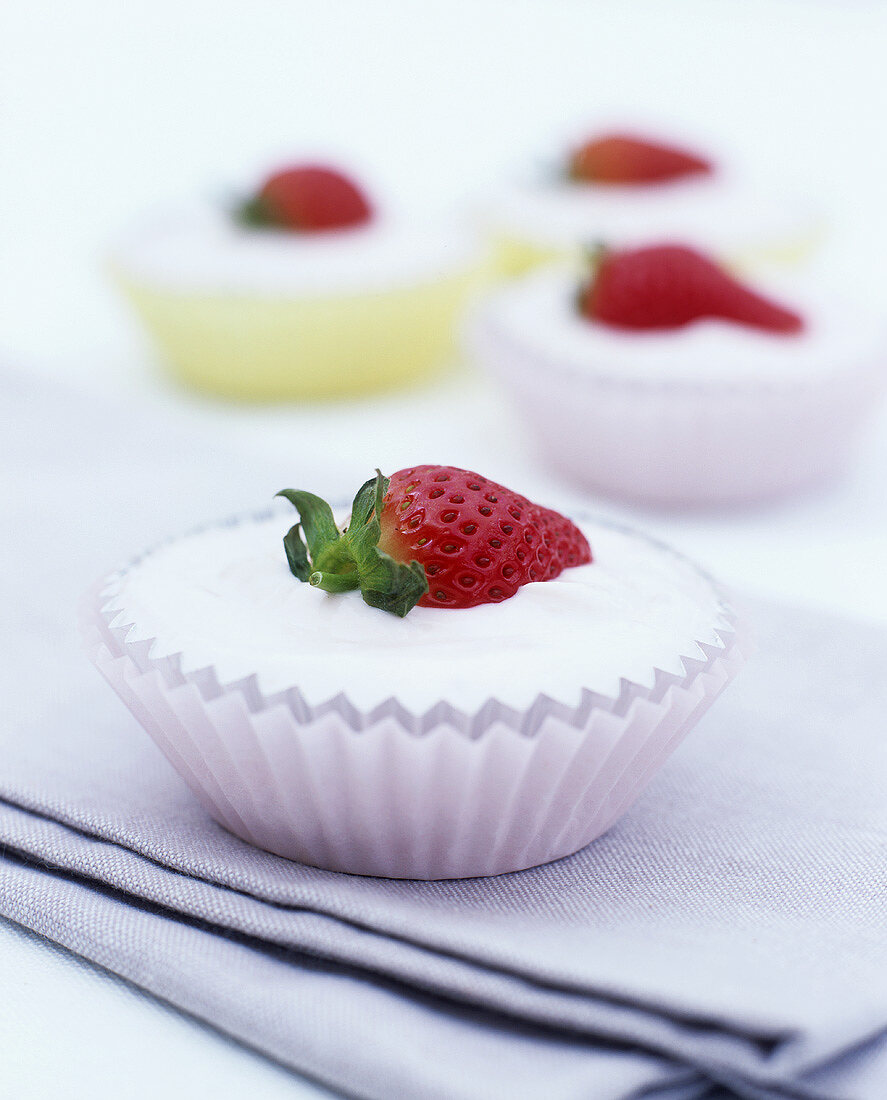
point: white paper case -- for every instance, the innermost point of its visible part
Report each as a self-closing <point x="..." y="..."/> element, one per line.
<point x="683" y="443"/>
<point x="445" y="794"/>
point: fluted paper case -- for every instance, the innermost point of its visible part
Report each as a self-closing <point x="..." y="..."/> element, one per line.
<point x="388" y="792"/>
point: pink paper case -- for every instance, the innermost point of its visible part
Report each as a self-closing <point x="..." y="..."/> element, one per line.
<point x="669" y="442"/>
<point x="388" y="792"/>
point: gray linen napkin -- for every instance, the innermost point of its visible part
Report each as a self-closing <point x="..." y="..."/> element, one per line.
<point x="726" y="938"/>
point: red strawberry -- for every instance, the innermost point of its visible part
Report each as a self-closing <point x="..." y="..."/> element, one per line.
<point x="434" y="535"/>
<point x="309" y="199"/>
<point x="668" y="286"/>
<point x="620" y="158"/>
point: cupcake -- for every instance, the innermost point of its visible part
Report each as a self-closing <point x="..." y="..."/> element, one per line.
<point x="626" y="190"/>
<point x="304" y="290"/>
<point x="664" y="380"/>
<point x="452" y="682"/>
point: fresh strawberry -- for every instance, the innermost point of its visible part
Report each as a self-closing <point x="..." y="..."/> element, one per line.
<point x="433" y="535"/>
<point x="307" y="199"/>
<point x="621" y="158"/>
<point x="668" y="286"/>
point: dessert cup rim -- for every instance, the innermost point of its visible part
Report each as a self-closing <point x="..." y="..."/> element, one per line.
<point x="467" y="251"/>
<point x="530" y="362"/>
<point x="99" y="608"/>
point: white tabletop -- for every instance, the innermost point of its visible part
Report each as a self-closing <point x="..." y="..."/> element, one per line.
<point x="111" y="108"/>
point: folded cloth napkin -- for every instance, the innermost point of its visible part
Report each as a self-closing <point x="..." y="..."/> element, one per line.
<point x="726" y="938"/>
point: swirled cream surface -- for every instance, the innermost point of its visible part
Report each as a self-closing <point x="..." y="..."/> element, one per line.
<point x="203" y="249"/>
<point x="534" y="323"/>
<point x="225" y="597"/>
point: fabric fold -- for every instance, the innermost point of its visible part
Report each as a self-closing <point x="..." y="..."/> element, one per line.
<point x="323" y="1020"/>
<point x="470" y="980"/>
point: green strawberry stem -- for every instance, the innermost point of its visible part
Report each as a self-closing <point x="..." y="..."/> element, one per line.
<point x="254" y="213"/>
<point x="341" y="561"/>
<point x="335" y="582"/>
<point x="594" y="253"/>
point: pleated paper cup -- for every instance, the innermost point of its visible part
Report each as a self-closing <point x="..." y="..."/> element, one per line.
<point x="668" y="442"/>
<point x="269" y="315"/>
<point x="304" y="347"/>
<point x="448" y="793"/>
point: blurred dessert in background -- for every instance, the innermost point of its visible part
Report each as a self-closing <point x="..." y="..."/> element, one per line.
<point x="303" y="290"/>
<point x="628" y="189"/>
<point x="662" y="378"/>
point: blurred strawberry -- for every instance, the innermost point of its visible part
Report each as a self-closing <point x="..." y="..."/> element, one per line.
<point x="620" y="158"/>
<point x="668" y="286"/>
<point x="307" y="199"/>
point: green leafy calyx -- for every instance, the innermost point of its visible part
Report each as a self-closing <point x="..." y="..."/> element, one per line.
<point x="343" y="560"/>
<point x="253" y="213"/>
<point x="595" y="255"/>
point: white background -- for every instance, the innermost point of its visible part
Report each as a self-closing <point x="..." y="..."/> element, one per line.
<point x="109" y="108"/>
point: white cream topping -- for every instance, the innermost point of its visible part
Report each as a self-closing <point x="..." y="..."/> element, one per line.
<point x="225" y="597"/>
<point x="203" y="249"/>
<point x="534" y="321"/>
<point x="713" y="212"/>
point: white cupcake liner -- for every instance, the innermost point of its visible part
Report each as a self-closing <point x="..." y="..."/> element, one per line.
<point x="388" y="792"/>
<point x="683" y="443"/>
